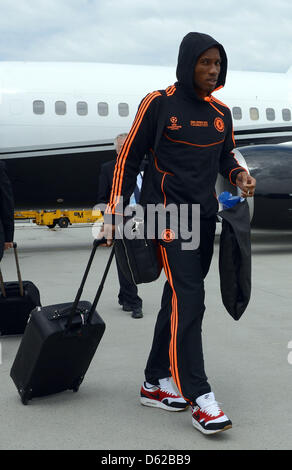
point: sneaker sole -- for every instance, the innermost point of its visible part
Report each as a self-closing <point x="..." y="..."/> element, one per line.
<point x="158" y="404"/>
<point x="209" y="431"/>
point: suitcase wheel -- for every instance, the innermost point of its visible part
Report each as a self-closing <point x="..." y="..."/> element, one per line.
<point x="24" y="396"/>
<point x="24" y="400"/>
<point x="76" y="385"/>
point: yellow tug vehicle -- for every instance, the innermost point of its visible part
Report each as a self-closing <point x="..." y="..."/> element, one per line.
<point x="59" y="217"/>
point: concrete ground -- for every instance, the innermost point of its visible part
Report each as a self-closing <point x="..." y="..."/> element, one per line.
<point x="248" y="363"/>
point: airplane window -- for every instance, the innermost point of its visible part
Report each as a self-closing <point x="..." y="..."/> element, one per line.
<point x="102" y="109"/>
<point x="123" y="109"/>
<point x="60" y="108"/>
<point x="82" y="108"/>
<point x="236" y="112"/>
<point x="38" y="107"/>
<point x="270" y="113"/>
<point x="254" y="114"/>
<point x="286" y="114"/>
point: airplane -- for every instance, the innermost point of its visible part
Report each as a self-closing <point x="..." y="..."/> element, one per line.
<point x="58" y="121"/>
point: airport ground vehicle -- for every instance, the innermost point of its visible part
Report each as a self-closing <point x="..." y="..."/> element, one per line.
<point x="63" y="218"/>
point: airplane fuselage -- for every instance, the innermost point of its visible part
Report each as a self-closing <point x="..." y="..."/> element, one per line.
<point x="45" y="103"/>
<point x="58" y="122"/>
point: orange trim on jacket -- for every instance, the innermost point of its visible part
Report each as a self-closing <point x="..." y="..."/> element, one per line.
<point x="194" y="145"/>
<point x="209" y="100"/>
<point x="164" y="175"/>
<point x="121" y="159"/>
<point x="238" y="168"/>
<point x="170" y="90"/>
<point x="219" y="102"/>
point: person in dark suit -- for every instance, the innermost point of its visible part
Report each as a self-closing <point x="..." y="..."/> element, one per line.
<point x="128" y="294"/>
<point x="6" y="211"/>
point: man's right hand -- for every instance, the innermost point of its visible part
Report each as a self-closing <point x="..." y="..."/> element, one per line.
<point x="108" y="233"/>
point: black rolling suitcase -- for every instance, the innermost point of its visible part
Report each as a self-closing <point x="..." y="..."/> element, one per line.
<point x="59" y="343"/>
<point x="17" y="300"/>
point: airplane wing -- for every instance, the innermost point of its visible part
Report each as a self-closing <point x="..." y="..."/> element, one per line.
<point x="55" y="149"/>
<point x="57" y="176"/>
<point x="262" y="134"/>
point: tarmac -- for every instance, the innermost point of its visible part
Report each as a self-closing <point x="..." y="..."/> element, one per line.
<point x="248" y="363"/>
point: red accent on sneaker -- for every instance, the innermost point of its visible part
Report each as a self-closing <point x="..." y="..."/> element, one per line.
<point x="210" y="422"/>
<point x="199" y="415"/>
<point x="160" y="398"/>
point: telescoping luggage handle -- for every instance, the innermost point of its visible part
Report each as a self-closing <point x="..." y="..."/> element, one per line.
<point x="18" y="274"/>
<point x="96" y="243"/>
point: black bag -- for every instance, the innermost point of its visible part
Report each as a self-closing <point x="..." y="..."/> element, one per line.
<point x="139" y="258"/>
<point x="17" y="300"/>
<point x="59" y="343"/>
<point x="235" y="259"/>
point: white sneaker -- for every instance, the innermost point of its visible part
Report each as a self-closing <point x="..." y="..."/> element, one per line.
<point x="207" y="416"/>
<point x="162" y="396"/>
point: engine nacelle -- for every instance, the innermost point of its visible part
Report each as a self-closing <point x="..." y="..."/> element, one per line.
<point x="271" y="165"/>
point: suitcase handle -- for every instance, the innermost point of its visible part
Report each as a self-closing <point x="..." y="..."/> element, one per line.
<point x="18" y="274"/>
<point x="18" y="269"/>
<point x="96" y="243"/>
<point x="99" y="291"/>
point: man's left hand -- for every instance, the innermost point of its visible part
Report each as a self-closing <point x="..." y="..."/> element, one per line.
<point x="8" y="245"/>
<point x="246" y="183"/>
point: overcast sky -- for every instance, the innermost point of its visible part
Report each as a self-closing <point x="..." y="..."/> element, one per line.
<point x="257" y="34"/>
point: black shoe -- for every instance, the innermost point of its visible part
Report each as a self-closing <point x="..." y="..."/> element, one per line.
<point x="137" y="313"/>
<point x="126" y="307"/>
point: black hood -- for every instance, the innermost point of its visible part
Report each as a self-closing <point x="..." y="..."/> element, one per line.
<point x="192" y="46"/>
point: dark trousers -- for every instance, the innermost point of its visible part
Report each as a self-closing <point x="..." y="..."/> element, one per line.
<point x="177" y="343"/>
<point x="1" y="243"/>
<point x="128" y="293"/>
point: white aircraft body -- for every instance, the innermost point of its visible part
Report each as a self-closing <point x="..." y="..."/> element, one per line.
<point x="27" y="88"/>
<point x="58" y="121"/>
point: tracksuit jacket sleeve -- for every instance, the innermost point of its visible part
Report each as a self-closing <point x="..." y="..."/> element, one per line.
<point x="229" y="166"/>
<point x="137" y="144"/>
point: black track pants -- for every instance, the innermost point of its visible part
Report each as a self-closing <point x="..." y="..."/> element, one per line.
<point x="177" y="343"/>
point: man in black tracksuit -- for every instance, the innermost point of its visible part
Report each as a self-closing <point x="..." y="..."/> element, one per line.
<point x="196" y="143"/>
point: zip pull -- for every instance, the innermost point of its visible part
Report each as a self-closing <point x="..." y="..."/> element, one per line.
<point x="209" y="99"/>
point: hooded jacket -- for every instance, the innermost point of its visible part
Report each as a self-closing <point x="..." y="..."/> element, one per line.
<point x="196" y="143"/>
